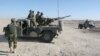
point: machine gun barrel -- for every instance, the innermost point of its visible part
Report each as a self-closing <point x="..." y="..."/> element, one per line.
<point x="61" y="17"/>
<point x="48" y="21"/>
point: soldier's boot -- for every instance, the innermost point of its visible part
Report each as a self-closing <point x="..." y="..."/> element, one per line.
<point x="13" y="51"/>
<point x="10" y="50"/>
<point x="14" y="48"/>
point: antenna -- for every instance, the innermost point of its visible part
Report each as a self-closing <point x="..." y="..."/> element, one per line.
<point x="58" y="8"/>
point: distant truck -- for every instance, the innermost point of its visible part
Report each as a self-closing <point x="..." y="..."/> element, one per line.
<point x="86" y="24"/>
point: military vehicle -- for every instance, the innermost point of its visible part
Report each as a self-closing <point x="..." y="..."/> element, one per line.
<point x="44" y="32"/>
<point x="86" y="25"/>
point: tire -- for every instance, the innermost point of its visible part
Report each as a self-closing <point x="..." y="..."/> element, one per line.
<point x="47" y="36"/>
<point x="80" y="26"/>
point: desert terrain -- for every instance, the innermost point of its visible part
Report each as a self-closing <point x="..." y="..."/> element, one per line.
<point x="71" y="42"/>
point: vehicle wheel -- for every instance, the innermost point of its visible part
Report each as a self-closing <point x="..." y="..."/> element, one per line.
<point x="80" y="26"/>
<point x="47" y="36"/>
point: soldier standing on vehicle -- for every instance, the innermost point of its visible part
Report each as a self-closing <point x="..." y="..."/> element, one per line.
<point x="30" y="14"/>
<point x="32" y="19"/>
<point x="12" y="35"/>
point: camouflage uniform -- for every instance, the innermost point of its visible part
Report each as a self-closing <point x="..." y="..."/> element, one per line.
<point x="12" y="35"/>
<point x="37" y="17"/>
<point x="30" y="15"/>
<point x="41" y="19"/>
<point x="32" y="19"/>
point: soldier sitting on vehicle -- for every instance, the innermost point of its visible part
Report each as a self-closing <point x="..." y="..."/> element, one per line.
<point x="40" y="19"/>
<point x="37" y="17"/>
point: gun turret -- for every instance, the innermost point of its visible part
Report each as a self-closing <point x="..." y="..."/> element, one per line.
<point x="50" y="20"/>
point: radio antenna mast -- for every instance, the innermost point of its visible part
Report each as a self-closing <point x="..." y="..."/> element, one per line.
<point x="58" y="8"/>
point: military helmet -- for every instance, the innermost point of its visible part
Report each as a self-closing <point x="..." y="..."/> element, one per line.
<point x="13" y="20"/>
<point x="41" y="13"/>
<point x="32" y="11"/>
<point x="38" y="12"/>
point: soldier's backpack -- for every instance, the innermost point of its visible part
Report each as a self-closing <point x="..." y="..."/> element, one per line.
<point x="11" y="28"/>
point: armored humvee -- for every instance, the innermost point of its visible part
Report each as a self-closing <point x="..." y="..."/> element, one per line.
<point x="45" y="33"/>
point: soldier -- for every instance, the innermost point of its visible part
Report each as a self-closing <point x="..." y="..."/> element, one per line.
<point x="12" y="35"/>
<point x="30" y="14"/>
<point x="41" y="19"/>
<point x="37" y="17"/>
<point x="32" y="19"/>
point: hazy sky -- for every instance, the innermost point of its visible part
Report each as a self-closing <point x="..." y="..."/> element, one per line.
<point x="79" y="9"/>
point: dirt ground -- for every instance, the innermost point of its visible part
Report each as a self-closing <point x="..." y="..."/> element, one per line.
<point x="71" y="42"/>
